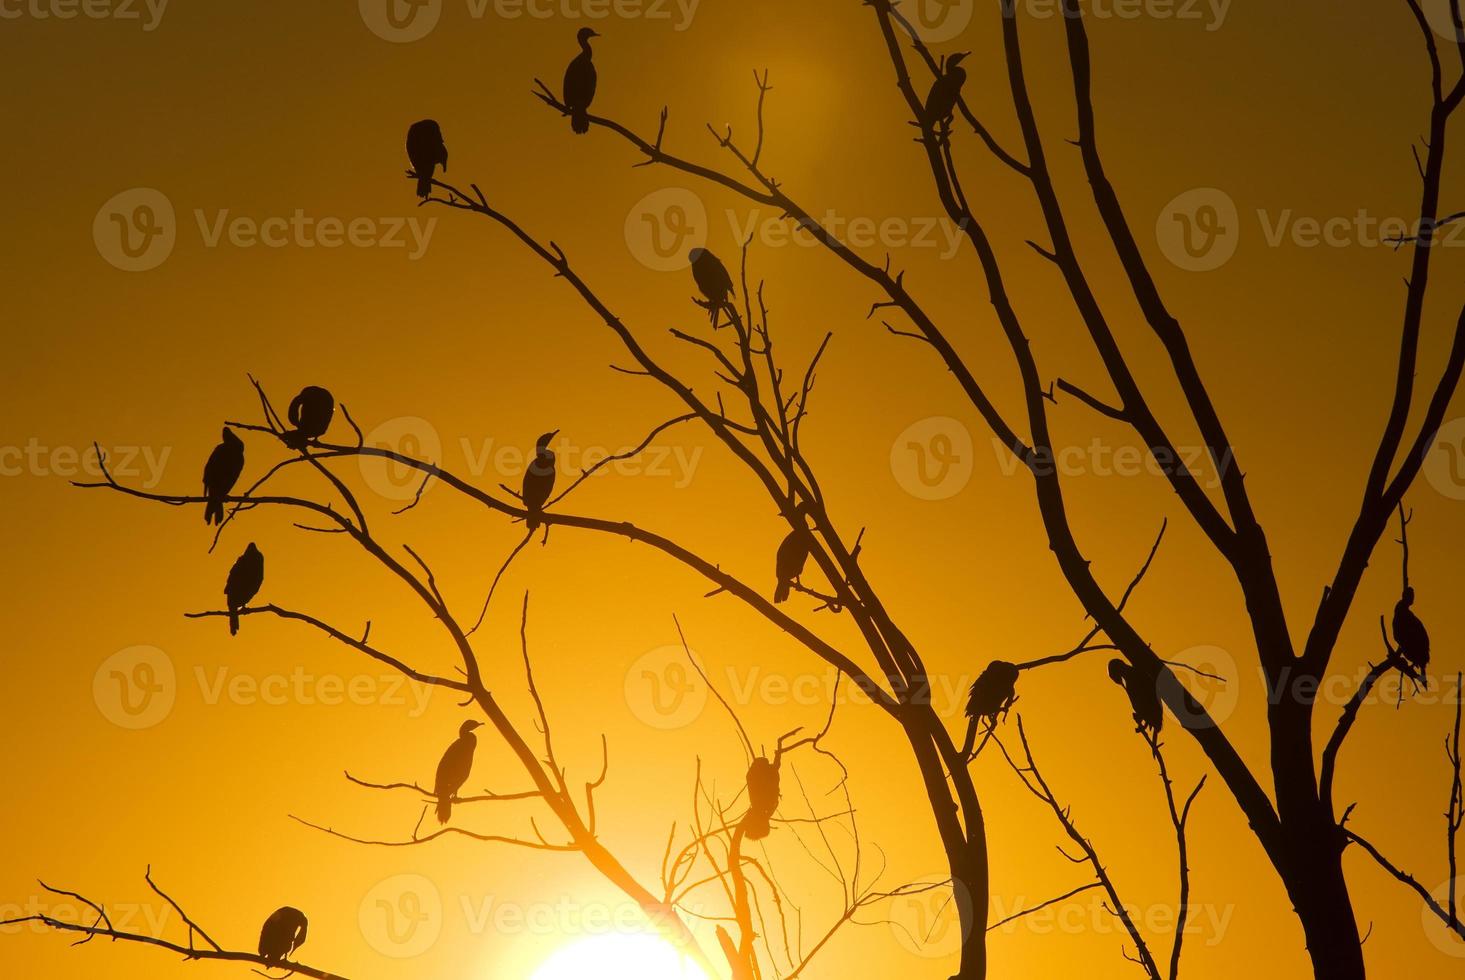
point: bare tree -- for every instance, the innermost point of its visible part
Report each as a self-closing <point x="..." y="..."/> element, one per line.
<point x="757" y="416"/>
<point x="1295" y="820"/>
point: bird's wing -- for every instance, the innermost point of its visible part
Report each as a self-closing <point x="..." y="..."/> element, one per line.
<point x="452" y="771"/>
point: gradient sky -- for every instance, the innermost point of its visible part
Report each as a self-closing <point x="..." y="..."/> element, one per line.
<point x="458" y="343"/>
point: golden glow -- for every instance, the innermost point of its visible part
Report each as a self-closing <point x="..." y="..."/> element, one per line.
<point x="619" y="957"/>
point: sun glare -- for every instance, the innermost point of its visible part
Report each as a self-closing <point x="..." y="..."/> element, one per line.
<point x="619" y="958"/>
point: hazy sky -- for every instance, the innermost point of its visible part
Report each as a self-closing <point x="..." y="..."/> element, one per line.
<point x="253" y="155"/>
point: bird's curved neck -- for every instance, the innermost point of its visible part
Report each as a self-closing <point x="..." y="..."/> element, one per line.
<point x="585" y="46"/>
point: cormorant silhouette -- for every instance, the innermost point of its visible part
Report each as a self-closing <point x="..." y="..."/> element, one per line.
<point x="762" y="798"/>
<point x="426" y="150"/>
<point x="245" y="578"/>
<point x="220" y="474"/>
<point x="789" y="564"/>
<point x="991" y="695"/>
<point x="311" y="412"/>
<point x="1144" y="696"/>
<point x="283" y="934"/>
<point x="580" y="79"/>
<point x="713" y="280"/>
<point x="539" y="480"/>
<point x="452" y="771"/>
<point x="1410" y="635"/>
<point x="945" y="90"/>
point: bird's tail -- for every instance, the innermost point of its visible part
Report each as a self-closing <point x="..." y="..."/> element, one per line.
<point x="580" y="121"/>
<point x="213" y="512"/>
<point x="233" y="622"/>
<point x="782" y="592"/>
<point x="755" y="825"/>
<point x="444" y="810"/>
<point x="424" y="185"/>
<point x="532" y="521"/>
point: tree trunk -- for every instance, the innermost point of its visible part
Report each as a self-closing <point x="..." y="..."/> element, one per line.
<point x="962" y="828"/>
<point x="1311" y="852"/>
<point x="1320" y="895"/>
<point x="969" y="875"/>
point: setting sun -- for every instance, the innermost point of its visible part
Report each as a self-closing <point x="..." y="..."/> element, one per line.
<point x="619" y="958"/>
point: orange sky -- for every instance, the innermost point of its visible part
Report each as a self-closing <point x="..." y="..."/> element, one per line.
<point x="273" y="133"/>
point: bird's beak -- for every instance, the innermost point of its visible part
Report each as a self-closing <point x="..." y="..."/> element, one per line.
<point x="552" y="435"/>
<point x="476" y="724"/>
<point x="594" y="33"/>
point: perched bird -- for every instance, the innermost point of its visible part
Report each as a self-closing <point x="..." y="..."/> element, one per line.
<point x="220" y="474"/>
<point x="283" y="934"/>
<point x="991" y="695"/>
<point x="762" y="798"/>
<point x="426" y="150"/>
<point x="713" y="280"/>
<point x="945" y="90"/>
<point x="245" y="578"/>
<point x="310" y="412"/>
<point x="1144" y="696"/>
<point x="539" y="480"/>
<point x="579" y="89"/>
<point x="1410" y="635"/>
<point x="452" y="771"/>
<point x="789" y="564"/>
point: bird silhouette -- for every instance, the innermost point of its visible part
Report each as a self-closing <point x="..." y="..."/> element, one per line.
<point x="311" y="412"/>
<point x="579" y="90"/>
<point x="945" y="91"/>
<point x="426" y="150"/>
<point x="283" y="934"/>
<point x="713" y="280"/>
<point x="220" y="474"/>
<point x="1144" y="696"/>
<point x="452" y="771"/>
<point x="789" y="564"/>
<point x="1410" y="635"/>
<point x="991" y="696"/>
<point x="245" y="578"/>
<point x="762" y="798"/>
<point x="539" y="480"/>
